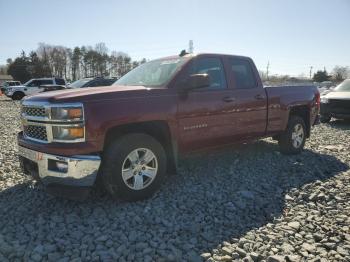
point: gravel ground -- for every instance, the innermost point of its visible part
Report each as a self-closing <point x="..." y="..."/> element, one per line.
<point x="245" y="204"/>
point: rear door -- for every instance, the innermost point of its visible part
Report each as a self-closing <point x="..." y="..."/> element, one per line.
<point x="250" y="100"/>
<point x="204" y="115"/>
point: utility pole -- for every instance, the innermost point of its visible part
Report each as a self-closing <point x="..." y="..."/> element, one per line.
<point x="267" y="70"/>
<point x="190" y="47"/>
<point x="311" y="71"/>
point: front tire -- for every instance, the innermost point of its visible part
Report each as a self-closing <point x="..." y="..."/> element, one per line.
<point x="133" y="167"/>
<point x="293" y="139"/>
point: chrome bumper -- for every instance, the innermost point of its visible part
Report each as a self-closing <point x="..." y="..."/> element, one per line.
<point x="81" y="169"/>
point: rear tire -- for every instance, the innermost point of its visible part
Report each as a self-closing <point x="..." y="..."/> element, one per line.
<point x="292" y="140"/>
<point x="17" y="96"/>
<point x="325" y="118"/>
<point x="133" y="167"/>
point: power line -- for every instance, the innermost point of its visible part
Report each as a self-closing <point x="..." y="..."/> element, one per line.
<point x="267" y="70"/>
<point x="311" y="71"/>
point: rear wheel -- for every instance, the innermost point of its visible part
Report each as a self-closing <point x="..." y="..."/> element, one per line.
<point x="292" y="141"/>
<point x="133" y="167"/>
<point x="17" y="96"/>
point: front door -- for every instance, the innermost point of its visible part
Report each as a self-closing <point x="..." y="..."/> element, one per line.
<point x="32" y="88"/>
<point x="204" y="114"/>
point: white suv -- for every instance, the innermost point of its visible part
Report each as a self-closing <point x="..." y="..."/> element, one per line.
<point x="31" y="87"/>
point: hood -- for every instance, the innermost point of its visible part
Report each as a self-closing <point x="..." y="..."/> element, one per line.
<point x="337" y="95"/>
<point x="92" y="94"/>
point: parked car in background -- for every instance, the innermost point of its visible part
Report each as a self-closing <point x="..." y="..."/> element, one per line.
<point x="130" y="135"/>
<point x="8" y="84"/>
<point x="32" y="87"/>
<point x="324" y="87"/>
<point x="47" y="88"/>
<point x="336" y="103"/>
<point x="92" y="82"/>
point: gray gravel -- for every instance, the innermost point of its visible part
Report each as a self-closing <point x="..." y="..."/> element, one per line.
<point x="249" y="203"/>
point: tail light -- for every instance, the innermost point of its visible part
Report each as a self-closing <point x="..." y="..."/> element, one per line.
<point x="318" y="99"/>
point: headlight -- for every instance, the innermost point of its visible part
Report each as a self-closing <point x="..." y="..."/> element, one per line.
<point x="68" y="113"/>
<point x="68" y="133"/>
<point x="63" y="130"/>
<point x="324" y="100"/>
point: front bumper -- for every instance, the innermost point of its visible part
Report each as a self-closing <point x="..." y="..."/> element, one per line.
<point x="335" y="110"/>
<point x="8" y="93"/>
<point x="78" y="171"/>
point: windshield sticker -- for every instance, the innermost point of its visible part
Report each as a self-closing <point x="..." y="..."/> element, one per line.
<point x="168" y="62"/>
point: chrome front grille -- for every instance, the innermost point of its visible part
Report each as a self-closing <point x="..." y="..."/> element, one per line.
<point x="34" y="111"/>
<point x="35" y="132"/>
<point x="40" y="125"/>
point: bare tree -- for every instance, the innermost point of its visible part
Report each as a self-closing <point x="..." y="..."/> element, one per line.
<point x="72" y="64"/>
<point x="340" y="73"/>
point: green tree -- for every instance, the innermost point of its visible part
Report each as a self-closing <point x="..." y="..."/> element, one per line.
<point x="19" y="68"/>
<point x="76" y="63"/>
<point x="321" y="76"/>
<point x="37" y="66"/>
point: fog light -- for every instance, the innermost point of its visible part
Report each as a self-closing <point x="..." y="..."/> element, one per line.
<point x="62" y="166"/>
<point x="57" y="166"/>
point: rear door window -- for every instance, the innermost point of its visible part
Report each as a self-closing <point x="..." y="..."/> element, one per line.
<point x="242" y="73"/>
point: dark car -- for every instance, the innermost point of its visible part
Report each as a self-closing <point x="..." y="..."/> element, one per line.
<point x="336" y="103"/>
<point x="92" y="82"/>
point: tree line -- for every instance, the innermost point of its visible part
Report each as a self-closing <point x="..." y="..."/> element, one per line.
<point x="337" y="75"/>
<point x="71" y="64"/>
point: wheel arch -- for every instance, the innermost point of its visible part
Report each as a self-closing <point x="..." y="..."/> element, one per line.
<point x="302" y="111"/>
<point x="159" y="130"/>
<point x="18" y="92"/>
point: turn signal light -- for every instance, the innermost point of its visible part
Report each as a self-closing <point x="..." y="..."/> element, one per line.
<point x="77" y="132"/>
<point x="75" y="113"/>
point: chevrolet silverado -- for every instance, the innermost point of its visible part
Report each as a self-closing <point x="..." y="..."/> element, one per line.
<point x="129" y="135"/>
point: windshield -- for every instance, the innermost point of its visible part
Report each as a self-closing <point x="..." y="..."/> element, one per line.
<point x="80" y="83"/>
<point x="344" y="86"/>
<point x="153" y="73"/>
<point x="28" y="82"/>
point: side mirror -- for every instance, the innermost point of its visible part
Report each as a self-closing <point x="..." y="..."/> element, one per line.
<point x="196" y="81"/>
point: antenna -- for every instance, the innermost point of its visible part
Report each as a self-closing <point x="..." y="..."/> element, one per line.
<point x="190" y="46"/>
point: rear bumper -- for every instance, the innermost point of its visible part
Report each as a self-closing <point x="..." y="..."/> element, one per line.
<point x="54" y="171"/>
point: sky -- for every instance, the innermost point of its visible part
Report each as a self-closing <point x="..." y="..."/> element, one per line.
<point x="290" y="35"/>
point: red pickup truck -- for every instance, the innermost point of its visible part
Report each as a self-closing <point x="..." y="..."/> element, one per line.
<point x="129" y="135"/>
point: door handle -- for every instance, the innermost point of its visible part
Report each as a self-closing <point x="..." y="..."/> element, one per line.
<point x="259" y="97"/>
<point x="228" y="99"/>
